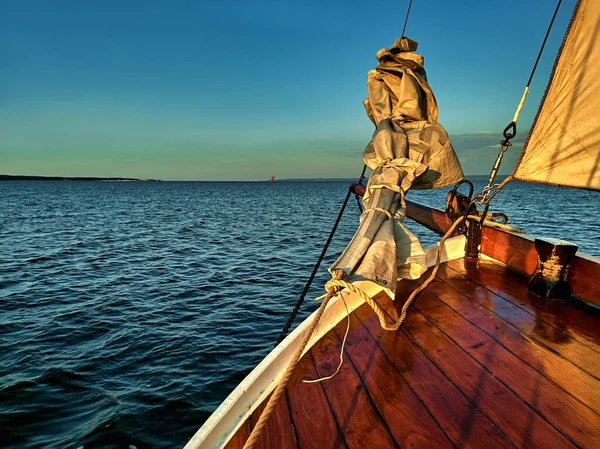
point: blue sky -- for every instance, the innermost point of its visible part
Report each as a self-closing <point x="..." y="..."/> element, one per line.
<point x="237" y="90"/>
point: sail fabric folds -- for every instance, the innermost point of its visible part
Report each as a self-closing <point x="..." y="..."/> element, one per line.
<point x="409" y="149"/>
<point x="563" y="147"/>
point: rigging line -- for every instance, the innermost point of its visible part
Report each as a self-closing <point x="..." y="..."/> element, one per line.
<point x="360" y="181"/>
<point x="490" y="190"/>
<point x="537" y="60"/>
<point x="406" y="19"/>
<point x="292" y="317"/>
<point x="544" y="43"/>
<point x="311" y="278"/>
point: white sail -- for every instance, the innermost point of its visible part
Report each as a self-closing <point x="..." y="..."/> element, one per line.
<point x="563" y="147"/>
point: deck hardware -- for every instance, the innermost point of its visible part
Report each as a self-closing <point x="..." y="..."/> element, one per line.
<point x="554" y="260"/>
<point x="459" y="205"/>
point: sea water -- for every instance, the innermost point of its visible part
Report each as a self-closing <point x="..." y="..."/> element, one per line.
<point x="129" y="311"/>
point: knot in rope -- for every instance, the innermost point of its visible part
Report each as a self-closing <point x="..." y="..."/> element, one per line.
<point x="333" y="285"/>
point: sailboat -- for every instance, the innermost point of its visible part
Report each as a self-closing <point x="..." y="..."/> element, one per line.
<point x="272" y="179"/>
<point x="490" y="338"/>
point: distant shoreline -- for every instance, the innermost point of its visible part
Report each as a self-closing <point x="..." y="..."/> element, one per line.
<point x="68" y="178"/>
<point x="91" y="178"/>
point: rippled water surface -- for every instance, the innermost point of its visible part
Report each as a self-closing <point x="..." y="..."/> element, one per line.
<point x="128" y="311"/>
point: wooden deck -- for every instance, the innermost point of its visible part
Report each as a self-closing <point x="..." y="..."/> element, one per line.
<point x="479" y="362"/>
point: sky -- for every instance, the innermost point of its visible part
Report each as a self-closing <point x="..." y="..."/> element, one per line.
<point x="239" y="89"/>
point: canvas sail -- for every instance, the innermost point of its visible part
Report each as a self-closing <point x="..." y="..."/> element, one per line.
<point x="563" y="147"/>
<point x="409" y="149"/>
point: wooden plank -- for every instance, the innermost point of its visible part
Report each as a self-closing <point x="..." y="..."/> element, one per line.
<point x="460" y="419"/>
<point x="572" y="379"/>
<point x="564" y="412"/>
<point x="509" y="285"/>
<point x="518" y="252"/>
<point x="262" y="380"/>
<point x="279" y="432"/>
<point x="541" y="327"/>
<point x="433" y="219"/>
<point x="240" y="437"/>
<point x="359" y="421"/>
<point x="312" y="414"/>
<point x="254" y="417"/>
<point x="584" y="278"/>
<point x="519" y="422"/>
<point x="409" y="420"/>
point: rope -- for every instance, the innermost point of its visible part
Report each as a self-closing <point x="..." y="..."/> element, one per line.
<point x="360" y="181"/>
<point x="510" y="131"/>
<point x="543" y="43"/>
<point x="280" y="389"/>
<point x="378" y="209"/>
<point x="526" y="92"/>
<point x="321" y="379"/>
<point x="537" y="60"/>
<point x="311" y="278"/>
<point x="495" y="224"/>
<point x="292" y="317"/>
<point x="377" y="308"/>
<point x="406" y="20"/>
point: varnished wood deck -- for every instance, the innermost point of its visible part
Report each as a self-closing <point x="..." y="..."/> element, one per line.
<point x="479" y="362"/>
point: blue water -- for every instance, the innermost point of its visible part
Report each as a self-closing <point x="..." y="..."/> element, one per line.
<point x="128" y="311"/>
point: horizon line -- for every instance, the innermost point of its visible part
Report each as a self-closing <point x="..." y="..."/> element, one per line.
<point x="5" y="177"/>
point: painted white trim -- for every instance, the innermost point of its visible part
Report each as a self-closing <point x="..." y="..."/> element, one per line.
<point x="253" y="390"/>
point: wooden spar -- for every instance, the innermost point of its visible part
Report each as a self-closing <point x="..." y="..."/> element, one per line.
<point x="433" y="219"/>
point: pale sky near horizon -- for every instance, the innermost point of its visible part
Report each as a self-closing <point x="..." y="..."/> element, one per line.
<point x="238" y="90"/>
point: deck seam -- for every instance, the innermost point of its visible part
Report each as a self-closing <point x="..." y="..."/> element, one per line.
<point x="368" y="394"/>
<point x="290" y="415"/>
<point x="459" y="389"/>
<point x="450" y="380"/>
<point x="508" y="349"/>
<point x="492" y="374"/>
<point x="443" y="373"/>
<point x="337" y="424"/>
<point x="515" y="328"/>
<point x="519" y="306"/>
<point x="508" y="297"/>
<point x="405" y="380"/>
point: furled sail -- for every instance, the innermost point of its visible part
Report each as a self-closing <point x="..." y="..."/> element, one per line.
<point x="409" y="149"/>
<point x="563" y="147"/>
